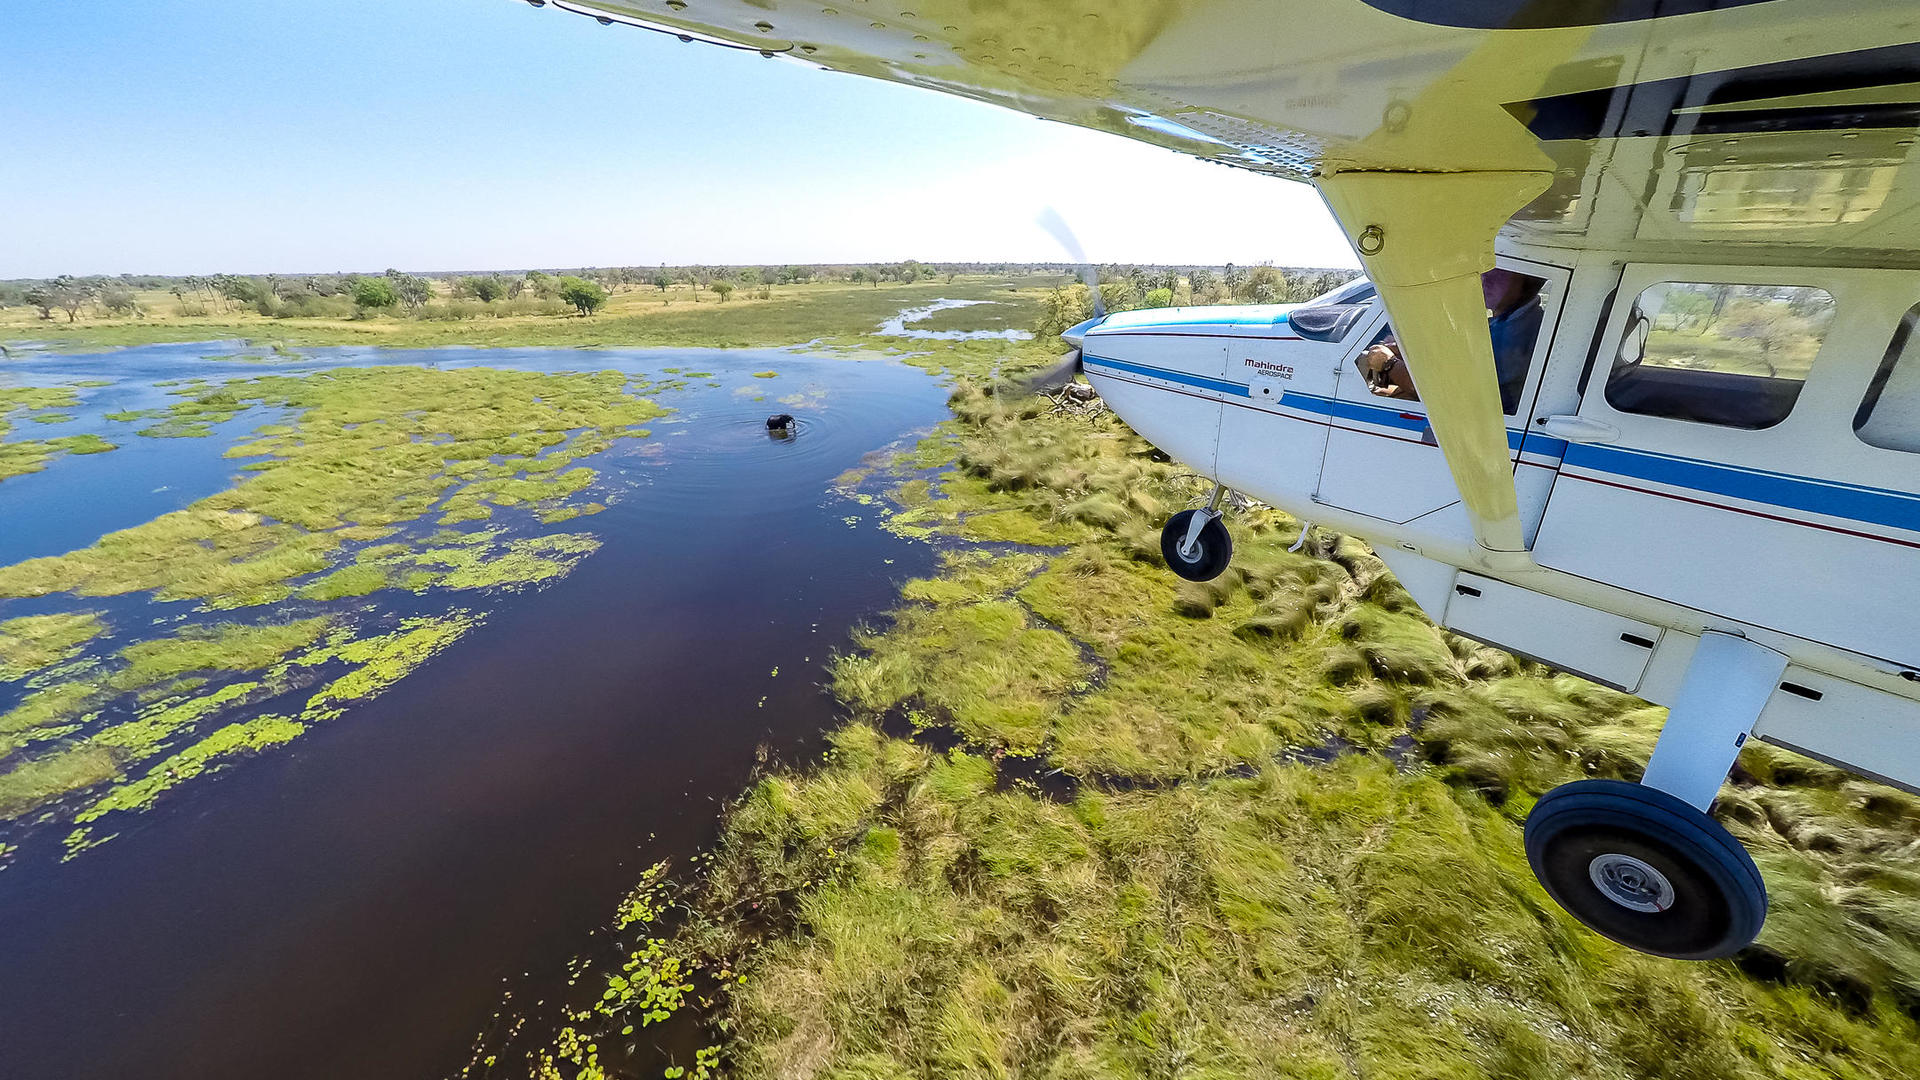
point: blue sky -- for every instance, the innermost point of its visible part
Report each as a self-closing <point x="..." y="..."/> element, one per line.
<point x="200" y="136"/>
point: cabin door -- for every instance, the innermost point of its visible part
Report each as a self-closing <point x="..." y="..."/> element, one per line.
<point x="1725" y="455"/>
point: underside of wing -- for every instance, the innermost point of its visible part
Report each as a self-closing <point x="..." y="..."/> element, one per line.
<point x="1664" y="124"/>
<point x="1647" y="129"/>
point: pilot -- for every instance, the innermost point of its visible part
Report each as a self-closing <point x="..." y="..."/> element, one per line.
<point x="1514" y="313"/>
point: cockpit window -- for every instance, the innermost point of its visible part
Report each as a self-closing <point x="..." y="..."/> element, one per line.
<point x="1711" y="353"/>
<point x="1889" y="416"/>
<point x="1357" y="291"/>
<point x="1516" y="308"/>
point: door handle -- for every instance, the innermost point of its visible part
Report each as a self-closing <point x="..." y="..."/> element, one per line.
<point x="1578" y="429"/>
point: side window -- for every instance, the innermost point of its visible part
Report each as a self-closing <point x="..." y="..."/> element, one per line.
<point x="1889" y="416"/>
<point x="1734" y="355"/>
<point x="1516" y="306"/>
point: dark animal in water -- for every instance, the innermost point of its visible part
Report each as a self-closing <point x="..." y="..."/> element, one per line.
<point x="780" y="422"/>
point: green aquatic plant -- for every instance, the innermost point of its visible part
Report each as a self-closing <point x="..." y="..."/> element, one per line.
<point x="225" y="647"/>
<point x="655" y="980"/>
<point x="249" y="736"/>
<point x="380" y="661"/>
<point x="21" y="456"/>
<point x="48" y="713"/>
<point x="181" y="710"/>
<point x="82" y="444"/>
<point x="33" y="642"/>
<point x="359" y="668"/>
<point x="43" y="779"/>
<point x="356" y="580"/>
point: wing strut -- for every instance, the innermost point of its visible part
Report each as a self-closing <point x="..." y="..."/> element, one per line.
<point x="1425" y="238"/>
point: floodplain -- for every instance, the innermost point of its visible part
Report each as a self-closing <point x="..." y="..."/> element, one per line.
<point x="535" y="712"/>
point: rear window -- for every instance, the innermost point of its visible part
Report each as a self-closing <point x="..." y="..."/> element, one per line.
<point x="1713" y="353"/>
<point x="1889" y="416"/>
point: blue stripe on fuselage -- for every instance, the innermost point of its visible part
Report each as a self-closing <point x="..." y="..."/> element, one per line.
<point x="1186" y="378"/>
<point x="1832" y="498"/>
<point x="1877" y="506"/>
<point x="1292" y="399"/>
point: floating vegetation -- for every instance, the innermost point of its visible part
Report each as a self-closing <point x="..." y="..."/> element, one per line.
<point x="244" y="737"/>
<point x="350" y="498"/>
<point x="82" y="444"/>
<point x="766" y="374"/>
<point x="378" y="662"/>
<point x="652" y="984"/>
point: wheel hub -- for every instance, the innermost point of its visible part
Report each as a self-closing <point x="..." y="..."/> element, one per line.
<point x="1631" y="883"/>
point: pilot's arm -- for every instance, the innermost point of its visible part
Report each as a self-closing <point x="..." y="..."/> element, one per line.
<point x="1386" y="371"/>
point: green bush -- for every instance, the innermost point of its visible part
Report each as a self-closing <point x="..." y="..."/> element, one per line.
<point x="587" y="297"/>
<point x="374" y="293"/>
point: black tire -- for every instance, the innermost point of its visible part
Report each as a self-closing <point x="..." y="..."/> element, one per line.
<point x="1212" y="551"/>
<point x="1645" y="869"/>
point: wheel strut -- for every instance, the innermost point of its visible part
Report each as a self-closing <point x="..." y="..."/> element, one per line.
<point x="1189" y="545"/>
<point x="1195" y="542"/>
<point x="1728" y="682"/>
<point x="1643" y="863"/>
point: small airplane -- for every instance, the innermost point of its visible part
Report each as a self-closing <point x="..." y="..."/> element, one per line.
<point x="1630" y="385"/>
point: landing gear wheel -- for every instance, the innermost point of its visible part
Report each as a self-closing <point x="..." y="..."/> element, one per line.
<point x="1210" y="553"/>
<point x="1638" y="865"/>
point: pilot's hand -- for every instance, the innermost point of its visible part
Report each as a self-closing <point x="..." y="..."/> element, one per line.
<point x="1376" y="360"/>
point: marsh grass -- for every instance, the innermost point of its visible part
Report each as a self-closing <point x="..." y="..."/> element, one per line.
<point x="225" y="647"/>
<point x="373" y="447"/>
<point x="40" y="404"/>
<point x="1284" y="838"/>
<point x="44" y="779"/>
<point x="36" y="641"/>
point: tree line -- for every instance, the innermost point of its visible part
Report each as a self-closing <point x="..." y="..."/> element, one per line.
<point x="340" y="295"/>
<point x="585" y="290"/>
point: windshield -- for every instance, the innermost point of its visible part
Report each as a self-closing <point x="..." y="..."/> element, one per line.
<point x="1357" y="291"/>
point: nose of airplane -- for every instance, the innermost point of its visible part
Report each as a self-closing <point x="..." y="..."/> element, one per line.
<point x="1076" y="334"/>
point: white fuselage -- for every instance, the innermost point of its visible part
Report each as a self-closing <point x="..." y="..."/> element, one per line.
<point x="1644" y="531"/>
